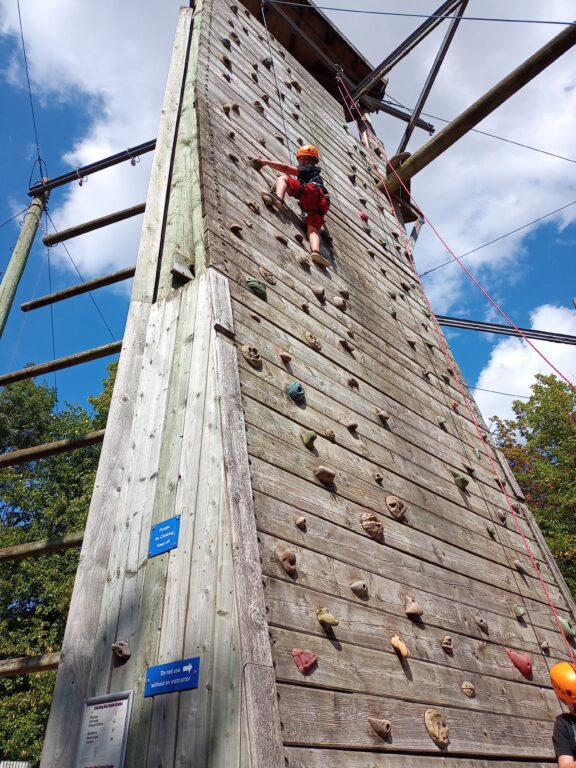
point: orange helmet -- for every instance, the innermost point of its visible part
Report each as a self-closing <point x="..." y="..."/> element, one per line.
<point x="563" y="677"/>
<point x="308" y="150"/>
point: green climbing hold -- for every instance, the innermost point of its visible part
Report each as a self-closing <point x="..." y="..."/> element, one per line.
<point x="257" y="287"/>
<point x="568" y="628"/>
<point x="295" y="391"/>
<point x="308" y="437"/>
<point x="491" y="531"/>
<point x="461" y="481"/>
<point x="519" y="611"/>
<point x="392" y="311"/>
<point x="445" y="378"/>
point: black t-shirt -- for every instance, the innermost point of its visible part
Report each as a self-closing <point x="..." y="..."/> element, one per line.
<point x="310" y="174"/>
<point x="564" y="736"/>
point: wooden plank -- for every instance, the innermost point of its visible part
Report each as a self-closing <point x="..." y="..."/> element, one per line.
<point x="76" y="290"/>
<point x="90" y="226"/>
<point x="301" y="757"/>
<point x="221" y="302"/>
<point x="62" y="362"/>
<point x="325" y="719"/>
<point x="13" y="458"/>
<point x="80" y="637"/>
<point x="28" y="665"/>
<point x="41" y="547"/>
<point x="158" y="189"/>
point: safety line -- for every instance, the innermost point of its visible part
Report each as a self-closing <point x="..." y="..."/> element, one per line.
<point x="262" y="8"/>
<point x="443" y="345"/>
<point x="425" y="15"/>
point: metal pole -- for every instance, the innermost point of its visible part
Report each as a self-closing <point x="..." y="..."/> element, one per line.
<point x="485" y="105"/>
<point x="431" y="77"/>
<point x="19" y="258"/>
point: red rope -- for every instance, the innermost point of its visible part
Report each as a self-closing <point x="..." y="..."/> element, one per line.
<point x="348" y="100"/>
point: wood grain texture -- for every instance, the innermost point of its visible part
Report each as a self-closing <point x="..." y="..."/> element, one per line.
<point x="300" y="757"/>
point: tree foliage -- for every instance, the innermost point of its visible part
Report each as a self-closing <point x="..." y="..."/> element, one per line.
<point x="39" y="500"/>
<point x="540" y="445"/>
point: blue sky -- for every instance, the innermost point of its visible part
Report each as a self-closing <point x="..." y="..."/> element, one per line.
<point x="480" y="189"/>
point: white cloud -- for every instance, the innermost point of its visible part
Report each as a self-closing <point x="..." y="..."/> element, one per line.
<point x="513" y="363"/>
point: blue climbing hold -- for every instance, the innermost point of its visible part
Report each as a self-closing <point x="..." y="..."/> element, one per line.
<point x="295" y="391"/>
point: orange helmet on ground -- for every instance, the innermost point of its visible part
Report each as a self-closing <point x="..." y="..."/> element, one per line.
<point x="563" y="677"/>
<point x="308" y="150"/>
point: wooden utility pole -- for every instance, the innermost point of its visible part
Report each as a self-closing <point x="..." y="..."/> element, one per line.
<point x="19" y="257"/>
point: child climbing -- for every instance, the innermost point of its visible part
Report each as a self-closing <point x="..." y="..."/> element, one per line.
<point x="308" y="188"/>
<point x="563" y="677"/>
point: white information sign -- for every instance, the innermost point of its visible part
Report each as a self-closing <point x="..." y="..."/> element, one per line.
<point x="104" y="731"/>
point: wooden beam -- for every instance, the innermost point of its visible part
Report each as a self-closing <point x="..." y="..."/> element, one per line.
<point x="27" y="665"/>
<point x="90" y="226"/>
<point x="62" y="362"/>
<point x="19" y="258"/>
<point x="76" y="290"/>
<point x="41" y="547"/>
<point x="12" y="458"/>
<point x="484" y="106"/>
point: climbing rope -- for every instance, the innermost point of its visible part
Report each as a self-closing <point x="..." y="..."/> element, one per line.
<point x="284" y="123"/>
<point x="351" y="107"/>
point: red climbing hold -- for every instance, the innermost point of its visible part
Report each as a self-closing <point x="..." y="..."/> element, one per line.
<point x="522" y="662"/>
<point x="304" y="660"/>
<point x="363" y="216"/>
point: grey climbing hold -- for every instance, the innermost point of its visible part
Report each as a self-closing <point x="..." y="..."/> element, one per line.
<point x="468" y="689"/>
<point x="372" y="526"/>
<point x="445" y="378"/>
<point x="252" y="355"/>
<point x="446" y="644"/>
<point x="491" y="531"/>
<point x="412" y="608"/>
<point x="302" y="261"/>
<point x="258" y="106"/>
<point x="325" y="475"/>
<point x="396" y="507"/>
<point x="441" y="421"/>
<point x="308" y="437"/>
<point x="383" y="415"/>
<point x="236" y="229"/>
<point x="300" y="523"/>
<point x="267" y="275"/>
<point x="329" y="434"/>
<point x="481" y="624"/>
<point x="265" y="98"/>
<point x="296" y="392"/>
<point x="121" y="649"/>
<point x="502" y="516"/>
<point x="360" y="588"/>
<point x="319" y="292"/>
<point x="350" y="424"/>
<point x="254" y="207"/>
<point x="520" y="567"/>
<point x="257" y="287"/>
<point x="312" y="341"/>
<point x="392" y="294"/>
<point x="405" y="285"/>
<point x="545" y="646"/>
<point x="392" y="312"/>
<point x="340" y="302"/>
<point x="378" y="477"/>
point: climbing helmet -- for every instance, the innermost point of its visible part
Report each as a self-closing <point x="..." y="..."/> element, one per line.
<point x="308" y="150"/>
<point x="563" y="678"/>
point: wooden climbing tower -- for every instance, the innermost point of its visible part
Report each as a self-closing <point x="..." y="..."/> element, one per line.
<point x="299" y="438"/>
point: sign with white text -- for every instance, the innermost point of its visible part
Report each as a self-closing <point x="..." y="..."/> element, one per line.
<point x="104" y="731"/>
<point x="174" y="676"/>
<point x="164" y="536"/>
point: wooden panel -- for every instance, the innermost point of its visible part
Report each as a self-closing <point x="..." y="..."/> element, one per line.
<point x="300" y="757"/>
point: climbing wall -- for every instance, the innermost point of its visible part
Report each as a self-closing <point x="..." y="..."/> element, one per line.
<point x="374" y="498"/>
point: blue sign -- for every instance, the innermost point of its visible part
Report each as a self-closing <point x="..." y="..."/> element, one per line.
<point x="164" y="536"/>
<point x="175" y="676"/>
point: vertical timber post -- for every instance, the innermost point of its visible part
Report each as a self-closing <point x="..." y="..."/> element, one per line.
<point x="19" y="257"/>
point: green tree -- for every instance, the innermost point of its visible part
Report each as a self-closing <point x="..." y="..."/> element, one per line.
<point x="38" y="500"/>
<point x="540" y="446"/>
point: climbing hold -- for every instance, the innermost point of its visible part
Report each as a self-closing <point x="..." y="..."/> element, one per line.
<point x="258" y="106"/>
<point x="372" y="526"/>
<point x="252" y="355"/>
<point x="340" y="302"/>
<point x="302" y="261"/>
<point x="412" y="341"/>
<point x="520" y="567"/>
<point x="344" y="292"/>
<point x="350" y="424"/>
<point x="519" y="611"/>
<point x="326" y="475"/>
<point x="446" y="644"/>
<point x="454" y="405"/>
<point x="445" y="378"/>
<point x="522" y="662"/>
<point x="255" y="317"/>
<point x="304" y="660"/>
<point x="286" y="357"/>
<point x="412" y="609"/>
<point x="232" y="135"/>
<point x="234" y="9"/>
<point x="468" y="689"/>
<point x="287" y="558"/>
<point x="352" y="177"/>
<point x="254" y="207"/>
<point x="308" y="437"/>
<point x="267" y="275"/>
<point x="254" y="77"/>
<point x="360" y="588"/>
<point x="441" y="421"/>
<point x="516" y="507"/>
<point x="300" y="523"/>
<point x="426" y="372"/>
<point x="312" y="341"/>
<point x="267" y="62"/>
<point x="392" y="294"/>
<point x="227" y="63"/>
<point x="460" y="481"/>
<point x="568" y="628"/>
<point x="481" y="624"/>
<point x="319" y="260"/>
<point x="319" y="292"/>
<point x="437" y="728"/>
<point x="392" y="311"/>
<point x="236" y="229"/>
<point x="345" y="344"/>
<point x="299" y="237"/>
<point x="383" y="415"/>
<point x="282" y="239"/>
<point x="545" y="646"/>
<point x="257" y="287"/>
<point x="491" y="531"/>
<point x="350" y="333"/>
<point x="396" y="507"/>
<point x="363" y="216"/>
<point x="469" y="468"/>
<point x="296" y="85"/>
<point x="399" y="646"/>
<point x="121" y="649"/>
<point x="353" y="383"/>
<point x="235" y="37"/>
<point x="326" y="618"/>
<point x="329" y="434"/>
<point x="378" y="477"/>
<point x="381" y="728"/>
<point x="265" y="98"/>
<point x="305" y="307"/>
<point x="296" y="392"/>
<point x="502" y="515"/>
<point x="295" y="115"/>
<point x="280" y="138"/>
<point x="226" y="43"/>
